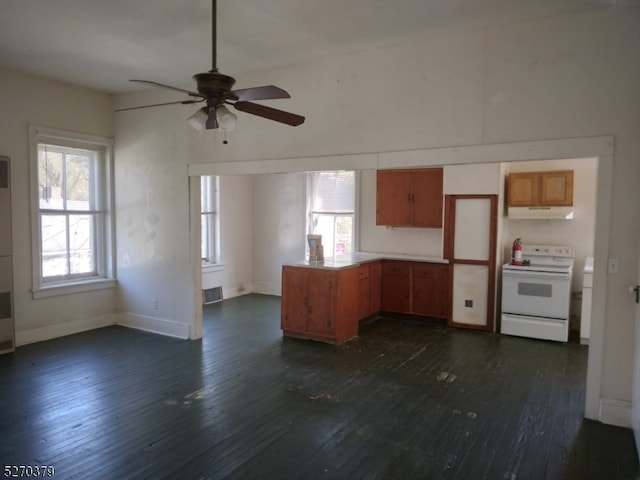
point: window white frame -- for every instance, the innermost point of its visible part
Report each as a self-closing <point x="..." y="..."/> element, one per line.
<point x="331" y="214"/>
<point x="210" y="220"/>
<point x="104" y="259"/>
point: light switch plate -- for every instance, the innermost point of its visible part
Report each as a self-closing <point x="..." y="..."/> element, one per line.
<point x="612" y="265"/>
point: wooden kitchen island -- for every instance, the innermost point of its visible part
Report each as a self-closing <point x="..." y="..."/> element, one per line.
<point x="326" y="301"/>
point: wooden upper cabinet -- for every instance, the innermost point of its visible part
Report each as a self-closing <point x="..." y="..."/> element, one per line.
<point x="393" y="198"/>
<point x="409" y="198"/>
<point x="556" y="188"/>
<point x="535" y="189"/>
<point x="523" y="189"/>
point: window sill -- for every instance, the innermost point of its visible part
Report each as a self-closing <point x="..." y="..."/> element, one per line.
<point x="212" y="267"/>
<point x="74" y="287"/>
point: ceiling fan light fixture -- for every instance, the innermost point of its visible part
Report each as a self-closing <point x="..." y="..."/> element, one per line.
<point x="198" y="119"/>
<point x="226" y="118"/>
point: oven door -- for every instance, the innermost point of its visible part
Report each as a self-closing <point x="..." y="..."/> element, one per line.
<point x="538" y="294"/>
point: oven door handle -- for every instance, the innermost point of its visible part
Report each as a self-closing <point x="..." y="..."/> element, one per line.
<point x="535" y="275"/>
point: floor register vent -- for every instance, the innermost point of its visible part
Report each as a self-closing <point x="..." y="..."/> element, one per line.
<point x="211" y="295"/>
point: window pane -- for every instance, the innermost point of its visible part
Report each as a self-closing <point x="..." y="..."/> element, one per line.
<point x="50" y="179"/>
<point x="344" y="234"/>
<point x="204" y="237"/>
<point x="336" y="231"/>
<point x="333" y="191"/>
<point x="79" y="170"/>
<point x="81" y="244"/>
<point x="54" y="245"/>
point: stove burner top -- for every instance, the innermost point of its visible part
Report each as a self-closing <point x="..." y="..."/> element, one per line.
<point x="544" y="258"/>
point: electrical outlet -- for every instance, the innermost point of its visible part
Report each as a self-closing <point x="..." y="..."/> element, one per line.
<point x="154" y="303"/>
<point x="612" y="266"/>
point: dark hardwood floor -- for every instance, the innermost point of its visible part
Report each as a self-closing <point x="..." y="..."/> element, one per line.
<point x="407" y="400"/>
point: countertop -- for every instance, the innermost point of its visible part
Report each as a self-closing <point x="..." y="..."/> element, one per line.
<point x="358" y="258"/>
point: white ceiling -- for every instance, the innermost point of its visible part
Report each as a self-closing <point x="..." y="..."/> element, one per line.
<point x="103" y="43"/>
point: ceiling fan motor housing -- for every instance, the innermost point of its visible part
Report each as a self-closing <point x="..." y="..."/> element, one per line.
<point x="214" y="84"/>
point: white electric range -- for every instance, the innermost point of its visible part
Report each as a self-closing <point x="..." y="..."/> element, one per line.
<point x="536" y="296"/>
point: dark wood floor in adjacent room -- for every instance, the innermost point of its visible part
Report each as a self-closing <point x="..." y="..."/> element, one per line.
<point x="407" y="400"/>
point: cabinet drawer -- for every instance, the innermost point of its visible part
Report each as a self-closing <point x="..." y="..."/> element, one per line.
<point x="396" y="268"/>
<point x="429" y="270"/>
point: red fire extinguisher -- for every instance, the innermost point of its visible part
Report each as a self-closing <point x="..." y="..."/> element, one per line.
<point x="516" y="252"/>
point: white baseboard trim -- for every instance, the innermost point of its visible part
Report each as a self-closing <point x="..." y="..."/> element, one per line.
<point x="161" y="326"/>
<point x="40" y="332"/>
<point x="267" y="289"/>
<point x="232" y="293"/>
<point x="615" y="412"/>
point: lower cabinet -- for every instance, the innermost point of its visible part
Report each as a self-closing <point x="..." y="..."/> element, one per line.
<point x="369" y="289"/>
<point x="375" y="287"/>
<point x="319" y="303"/>
<point x="416" y="288"/>
<point x="327" y="304"/>
<point x="396" y="286"/>
<point x="430" y="293"/>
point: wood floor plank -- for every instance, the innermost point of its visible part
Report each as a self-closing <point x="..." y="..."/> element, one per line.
<point x="407" y="399"/>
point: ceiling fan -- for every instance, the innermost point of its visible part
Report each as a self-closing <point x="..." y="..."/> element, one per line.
<point x="215" y="89"/>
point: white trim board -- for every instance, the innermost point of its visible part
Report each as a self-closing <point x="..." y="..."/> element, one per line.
<point x="615" y="412"/>
<point x="491" y="153"/>
<point x="146" y="323"/>
<point x="39" y="333"/>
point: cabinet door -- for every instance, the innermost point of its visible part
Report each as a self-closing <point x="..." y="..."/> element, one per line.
<point x="426" y="196"/>
<point x="375" y="287"/>
<point x="396" y="286"/>
<point x="321" y="301"/>
<point x="557" y="188"/>
<point x="393" y="198"/>
<point x="364" y="291"/>
<point x="295" y="290"/>
<point x="523" y="189"/>
<point x="430" y="290"/>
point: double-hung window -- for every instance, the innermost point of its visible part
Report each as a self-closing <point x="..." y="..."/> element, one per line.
<point x="209" y="200"/>
<point x="331" y="204"/>
<point x="72" y="211"/>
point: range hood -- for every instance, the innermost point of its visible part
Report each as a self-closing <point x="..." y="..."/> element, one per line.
<point x="540" y="213"/>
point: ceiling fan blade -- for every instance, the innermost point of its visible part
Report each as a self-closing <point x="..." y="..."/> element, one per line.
<point x="183" y="102"/>
<point x="270" y="113"/>
<point x="162" y="85"/>
<point x="266" y="92"/>
<point x="212" y="120"/>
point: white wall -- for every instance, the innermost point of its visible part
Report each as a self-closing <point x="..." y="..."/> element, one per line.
<point x="27" y="100"/>
<point x="571" y="76"/>
<point x="236" y="237"/>
<point x="152" y="238"/>
<point x="279" y="209"/>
